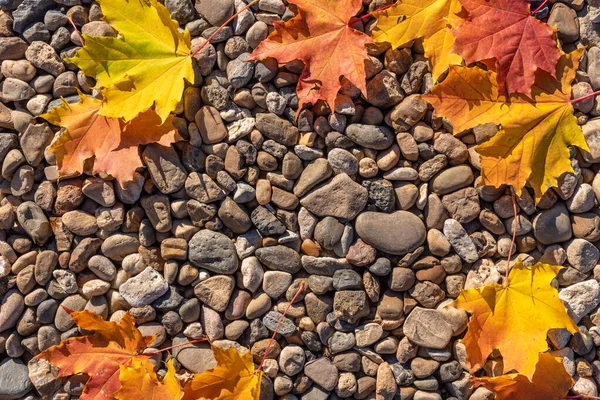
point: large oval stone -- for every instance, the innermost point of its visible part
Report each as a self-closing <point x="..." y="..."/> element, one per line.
<point x="398" y="233"/>
<point x="213" y="251"/>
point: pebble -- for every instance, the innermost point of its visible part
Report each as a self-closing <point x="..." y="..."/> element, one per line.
<point x="322" y="372"/>
<point x="34" y="222"/>
<point x="213" y="251"/>
<point x="372" y="203"/>
<point x="398" y="233"/>
<point x="143" y="288"/>
<point x="14" y="379"/>
<point x="553" y="225"/>
<point x="369" y="136"/>
<point x="460" y="240"/>
<point x="580" y="298"/>
<point x="428" y="328"/>
<point x="292" y="360"/>
<point x="215" y="292"/>
<point x="582" y="255"/>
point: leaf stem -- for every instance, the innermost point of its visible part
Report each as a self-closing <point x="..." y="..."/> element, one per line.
<point x="300" y="289"/>
<point x="369" y="14"/>
<point x="539" y="7"/>
<point x="587" y="96"/>
<point x="223" y="25"/>
<point x="76" y="30"/>
<point x="177" y="345"/>
<point x="514" y="235"/>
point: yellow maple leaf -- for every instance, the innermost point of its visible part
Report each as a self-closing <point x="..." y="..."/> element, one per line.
<point x="147" y="65"/>
<point x="431" y="20"/>
<point x="532" y="145"/>
<point x="232" y="379"/>
<point x="550" y="382"/>
<point x="514" y="319"/>
<point x="112" y="143"/>
<point x="139" y="381"/>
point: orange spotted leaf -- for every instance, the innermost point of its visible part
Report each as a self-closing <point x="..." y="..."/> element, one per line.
<point x="330" y="49"/>
<point x="550" y="382"/>
<point x="111" y="143"/>
<point x="98" y="355"/>
<point x="504" y="34"/>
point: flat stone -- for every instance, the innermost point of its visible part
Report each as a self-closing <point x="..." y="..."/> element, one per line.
<point x="271" y="320"/>
<point x="581" y="298"/>
<point x="279" y="258"/>
<point x="28" y="12"/>
<point x="276" y="283"/>
<point x="11" y="310"/>
<point x="215" y="292"/>
<point x="213" y="251"/>
<point x="398" y="233"/>
<point x="322" y="372"/>
<point x="553" y="225"/>
<point x="14" y="379"/>
<point x="341" y="198"/>
<point x="215" y="11"/>
<point x="144" y="288"/>
<point x="371" y="136"/>
<point x="276" y="128"/>
<point x="460" y="240"/>
<point x="196" y="357"/>
<point x="33" y="220"/>
<point x="168" y="174"/>
<point x="428" y="328"/>
<point x="210" y="125"/>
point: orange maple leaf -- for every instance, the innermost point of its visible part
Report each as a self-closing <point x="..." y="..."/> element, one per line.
<point x="98" y="355"/>
<point x="550" y="382"/>
<point x="504" y="35"/>
<point x="320" y="36"/>
<point x="111" y="142"/>
<point x="232" y="379"/>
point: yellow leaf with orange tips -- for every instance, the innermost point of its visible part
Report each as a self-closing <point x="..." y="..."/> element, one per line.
<point x="139" y="381"/>
<point x="532" y="144"/>
<point x="111" y="143"/>
<point x="233" y="378"/>
<point x="514" y="319"/>
<point x="431" y="20"/>
<point x="100" y="354"/>
<point x="550" y="382"/>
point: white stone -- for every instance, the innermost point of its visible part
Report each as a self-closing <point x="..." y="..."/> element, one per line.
<point x="144" y="288"/>
<point x="581" y="298"/>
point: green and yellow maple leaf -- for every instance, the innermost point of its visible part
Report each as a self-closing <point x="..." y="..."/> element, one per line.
<point x="146" y="65"/>
<point x="532" y="144"/>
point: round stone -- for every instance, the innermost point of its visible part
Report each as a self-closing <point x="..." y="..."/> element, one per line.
<point x="553" y="225"/>
<point x="398" y="233"/>
<point x="213" y="251"/>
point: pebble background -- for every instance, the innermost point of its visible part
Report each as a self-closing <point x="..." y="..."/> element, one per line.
<point x="375" y="206"/>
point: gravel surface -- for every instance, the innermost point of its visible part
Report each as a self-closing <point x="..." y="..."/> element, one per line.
<point x="375" y="206"/>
